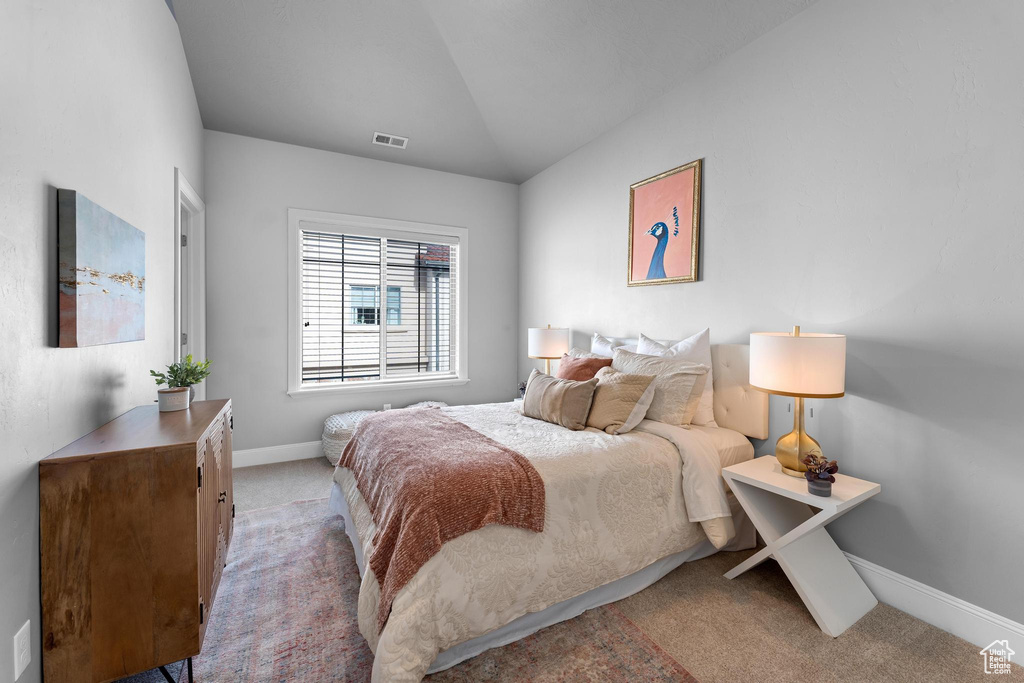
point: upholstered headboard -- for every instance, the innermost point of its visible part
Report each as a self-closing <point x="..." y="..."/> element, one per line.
<point x="738" y="406"/>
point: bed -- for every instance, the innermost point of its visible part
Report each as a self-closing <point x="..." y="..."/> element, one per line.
<point x="622" y="511"/>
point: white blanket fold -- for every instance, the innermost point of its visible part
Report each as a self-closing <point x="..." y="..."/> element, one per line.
<point x="703" y="486"/>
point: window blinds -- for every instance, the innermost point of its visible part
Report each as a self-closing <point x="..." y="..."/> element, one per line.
<point x="343" y="278"/>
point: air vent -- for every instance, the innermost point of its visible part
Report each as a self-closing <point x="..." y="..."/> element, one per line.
<point x="390" y="140"/>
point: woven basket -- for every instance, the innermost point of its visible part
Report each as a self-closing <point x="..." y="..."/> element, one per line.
<point x="338" y="430"/>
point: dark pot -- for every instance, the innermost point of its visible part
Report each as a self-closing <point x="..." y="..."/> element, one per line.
<point x="819" y="487"/>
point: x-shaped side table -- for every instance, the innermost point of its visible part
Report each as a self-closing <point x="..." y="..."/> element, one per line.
<point x="781" y="509"/>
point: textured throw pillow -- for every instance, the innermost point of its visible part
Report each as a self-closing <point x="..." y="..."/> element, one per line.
<point x="580" y="369"/>
<point x="696" y="349"/>
<point x="577" y="352"/>
<point x="677" y="385"/>
<point x="558" y="401"/>
<point x="620" y="400"/>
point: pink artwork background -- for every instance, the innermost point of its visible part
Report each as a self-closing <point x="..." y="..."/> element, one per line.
<point x="653" y="203"/>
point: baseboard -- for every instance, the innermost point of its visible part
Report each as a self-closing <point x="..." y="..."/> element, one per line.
<point x="269" y="454"/>
<point x="961" y="618"/>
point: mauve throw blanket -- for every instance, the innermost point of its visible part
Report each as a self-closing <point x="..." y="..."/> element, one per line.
<point x="428" y="478"/>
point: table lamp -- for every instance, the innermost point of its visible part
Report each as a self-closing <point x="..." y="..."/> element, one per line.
<point x="547" y="344"/>
<point x="802" y="366"/>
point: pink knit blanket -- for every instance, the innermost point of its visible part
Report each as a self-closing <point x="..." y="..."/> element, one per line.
<point x="428" y="478"/>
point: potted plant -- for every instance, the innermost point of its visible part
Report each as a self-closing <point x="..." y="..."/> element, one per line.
<point x="180" y="376"/>
<point x="819" y="474"/>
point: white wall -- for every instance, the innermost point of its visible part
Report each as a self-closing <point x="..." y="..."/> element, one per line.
<point x="863" y="174"/>
<point x="100" y="102"/>
<point x="251" y="184"/>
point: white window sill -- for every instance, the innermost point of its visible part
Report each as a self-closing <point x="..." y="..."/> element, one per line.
<point x="378" y="386"/>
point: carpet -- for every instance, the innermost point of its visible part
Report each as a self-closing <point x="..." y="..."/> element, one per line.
<point x="754" y="628"/>
<point x="264" y="486"/>
<point x="286" y="611"/>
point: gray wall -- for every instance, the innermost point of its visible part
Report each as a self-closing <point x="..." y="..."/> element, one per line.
<point x="100" y="102"/>
<point x="251" y="184"/>
<point x="863" y="169"/>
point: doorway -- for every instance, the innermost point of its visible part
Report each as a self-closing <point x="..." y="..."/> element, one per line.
<point x="189" y="274"/>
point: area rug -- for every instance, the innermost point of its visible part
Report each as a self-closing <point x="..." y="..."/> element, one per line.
<point x="286" y="611"/>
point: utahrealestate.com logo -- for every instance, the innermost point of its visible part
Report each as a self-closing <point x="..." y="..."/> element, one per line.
<point x="997" y="657"/>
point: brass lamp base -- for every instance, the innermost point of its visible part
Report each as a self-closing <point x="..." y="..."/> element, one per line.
<point x="792" y="448"/>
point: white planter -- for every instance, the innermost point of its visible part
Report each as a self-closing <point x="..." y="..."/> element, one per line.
<point x="175" y="398"/>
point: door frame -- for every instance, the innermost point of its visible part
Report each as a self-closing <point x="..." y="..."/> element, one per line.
<point x="193" y="256"/>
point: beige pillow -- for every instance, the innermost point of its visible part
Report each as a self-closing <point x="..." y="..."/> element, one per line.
<point x="678" y="384"/>
<point x="696" y="349"/>
<point x="620" y="400"/>
<point x="577" y="352"/>
<point x="559" y="401"/>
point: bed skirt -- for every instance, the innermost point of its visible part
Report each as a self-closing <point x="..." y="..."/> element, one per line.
<point x="573" y="607"/>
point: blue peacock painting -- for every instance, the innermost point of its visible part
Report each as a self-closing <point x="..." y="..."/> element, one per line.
<point x="657" y="268"/>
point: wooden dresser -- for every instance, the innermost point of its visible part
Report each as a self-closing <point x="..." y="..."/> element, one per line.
<point x="134" y="524"/>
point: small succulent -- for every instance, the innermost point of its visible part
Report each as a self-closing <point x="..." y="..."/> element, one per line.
<point x="819" y="468"/>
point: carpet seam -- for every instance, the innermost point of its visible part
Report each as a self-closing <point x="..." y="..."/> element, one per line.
<point x="282" y="505"/>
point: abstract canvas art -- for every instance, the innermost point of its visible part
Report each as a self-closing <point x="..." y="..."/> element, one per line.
<point x="102" y="271"/>
<point x="664" y="227"/>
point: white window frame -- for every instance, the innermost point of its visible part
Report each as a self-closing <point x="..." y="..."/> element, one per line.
<point x="366" y="226"/>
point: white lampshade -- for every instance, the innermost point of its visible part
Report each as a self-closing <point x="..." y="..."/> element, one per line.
<point x="547" y="342"/>
<point x="809" y="365"/>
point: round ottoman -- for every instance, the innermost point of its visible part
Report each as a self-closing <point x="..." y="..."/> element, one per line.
<point x="338" y="430"/>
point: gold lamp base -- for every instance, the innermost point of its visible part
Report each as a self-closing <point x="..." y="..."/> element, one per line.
<point x="792" y="448"/>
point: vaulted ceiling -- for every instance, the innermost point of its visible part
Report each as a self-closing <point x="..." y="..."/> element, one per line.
<point x="497" y="89"/>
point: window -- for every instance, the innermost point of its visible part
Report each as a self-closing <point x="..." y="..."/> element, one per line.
<point x="394" y="305"/>
<point x="339" y="267"/>
<point x="365" y="305"/>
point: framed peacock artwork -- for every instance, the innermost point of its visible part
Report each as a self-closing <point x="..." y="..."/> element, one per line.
<point x="664" y="227"/>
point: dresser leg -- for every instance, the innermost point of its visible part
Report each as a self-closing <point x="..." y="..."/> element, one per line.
<point x="170" y="679"/>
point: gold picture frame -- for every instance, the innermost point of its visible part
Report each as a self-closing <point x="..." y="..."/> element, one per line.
<point x="663" y="199"/>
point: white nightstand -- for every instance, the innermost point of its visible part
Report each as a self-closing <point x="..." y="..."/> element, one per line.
<point x="795" y="536"/>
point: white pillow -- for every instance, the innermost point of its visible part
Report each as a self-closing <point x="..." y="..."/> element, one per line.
<point x="677" y="384"/>
<point x="602" y="346"/>
<point x="696" y="349"/>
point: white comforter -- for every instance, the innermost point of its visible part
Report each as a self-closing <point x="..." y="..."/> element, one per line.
<point x="614" y="504"/>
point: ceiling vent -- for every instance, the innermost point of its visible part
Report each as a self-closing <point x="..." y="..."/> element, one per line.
<point x="396" y="141"/>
